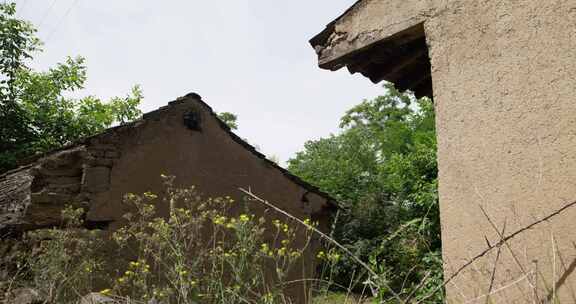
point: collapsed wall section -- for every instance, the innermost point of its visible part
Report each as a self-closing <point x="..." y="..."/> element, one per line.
<point x="34" y="196"/>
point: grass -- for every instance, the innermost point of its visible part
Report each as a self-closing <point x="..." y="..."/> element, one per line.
<point x="341" y="298"/>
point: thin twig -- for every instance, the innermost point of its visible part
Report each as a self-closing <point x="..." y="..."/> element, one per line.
<point x="512" y="253"/>
<point x="323" y="235"/>
<point x="567" y="270"/>
<point x="553" y="267"/>
<point x="422" y="282"/>
<point x="499" y="289"/>
<point x="500" y="243"/>
<point x="494" y="267"/>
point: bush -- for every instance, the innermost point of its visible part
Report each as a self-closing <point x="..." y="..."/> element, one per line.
<point x="382" y="169"/>
<point x="62" y="263"/>
<point x="198" y="253"/>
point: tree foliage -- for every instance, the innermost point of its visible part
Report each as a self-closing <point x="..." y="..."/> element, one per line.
<point x="382" y="168"/>
<point x="37" y="113"/>
<point x="230" y="119"/>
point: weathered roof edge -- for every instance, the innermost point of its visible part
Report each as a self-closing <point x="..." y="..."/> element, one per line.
<point x="30" y="161"/>
<point x="396" y="52"/>
<point x="322" y="37"/>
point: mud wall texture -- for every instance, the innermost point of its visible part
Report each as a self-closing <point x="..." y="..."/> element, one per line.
<point x="504" y="87"/>
<point x="503" y="75"/>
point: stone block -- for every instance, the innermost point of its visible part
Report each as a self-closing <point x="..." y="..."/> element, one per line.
<point x="72" y="188"/>
<point x="47" y="197"/>
<point x="112" y="154"/>
<point x="59" y="171"/>
<point x="96" y="179"/>
<point x="63" y="180"/>
<point x="42" y="215"/>
<point x="99" y="162"/>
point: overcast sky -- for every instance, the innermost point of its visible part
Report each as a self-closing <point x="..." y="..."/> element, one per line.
<point x="248" y="57"/>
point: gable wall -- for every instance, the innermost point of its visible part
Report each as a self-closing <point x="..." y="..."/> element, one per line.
<point x="130" y="159"/>
<point x="208" y="159"/>
<point x="213" y="162"/>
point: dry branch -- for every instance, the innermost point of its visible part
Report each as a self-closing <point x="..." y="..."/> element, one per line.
<point x="324" y="236"/>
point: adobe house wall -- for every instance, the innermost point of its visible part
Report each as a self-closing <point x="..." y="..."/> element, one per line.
<point x="99" y="171"/>
<point x="209" y="159"/>
<point x="503" y="86"/>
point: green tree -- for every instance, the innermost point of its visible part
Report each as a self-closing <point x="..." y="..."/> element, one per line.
<point x="382" y="168"/>
<point x="36" y="112"/>
<point x="17" y="42"/>
<point x="230" y="119"/>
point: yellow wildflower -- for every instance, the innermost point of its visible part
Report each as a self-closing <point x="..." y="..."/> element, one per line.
<point x="264" y="248"/>
<point x="295" y="254"/>
<point x="282" y="251"/>
<point x="219" y="220"/>
<point x="150" y="195"/>
<point x="276" y="223"/>
<point x="335" y="257"/>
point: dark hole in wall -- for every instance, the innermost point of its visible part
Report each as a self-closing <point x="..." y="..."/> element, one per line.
<point x="193" y="120"/>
